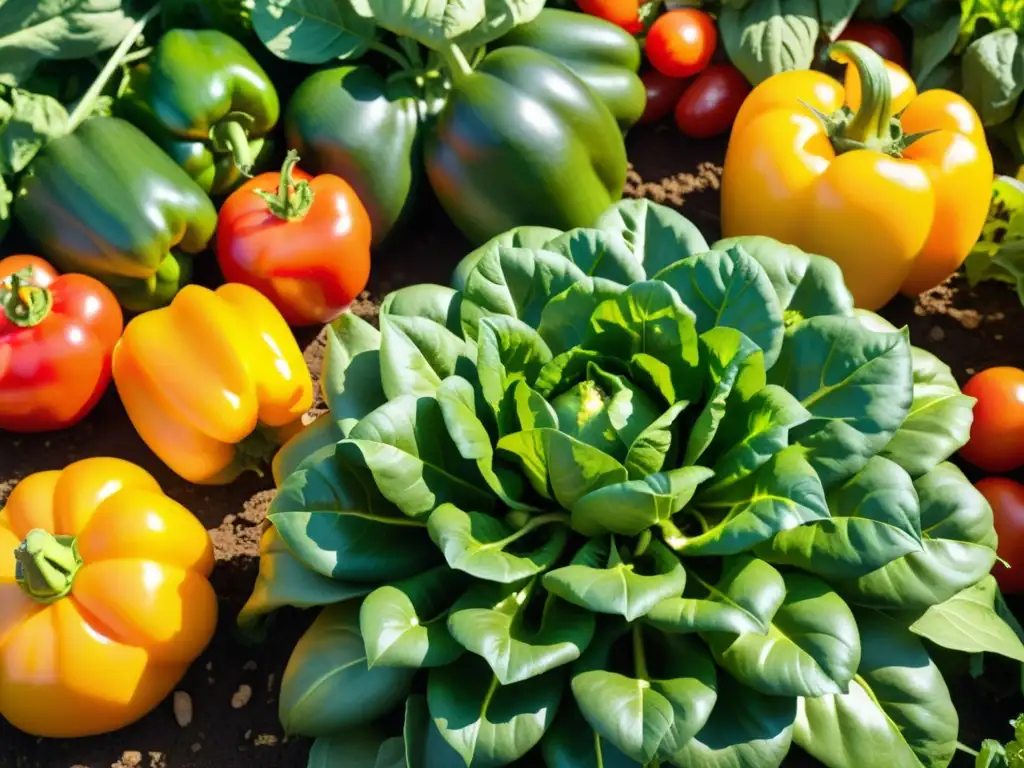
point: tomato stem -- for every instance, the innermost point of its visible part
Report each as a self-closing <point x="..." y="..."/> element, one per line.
<point x="294" y="198"/>
<point x="25" y="303"/>
<point x="870" y="125"/>
<point x="46" y="565"/>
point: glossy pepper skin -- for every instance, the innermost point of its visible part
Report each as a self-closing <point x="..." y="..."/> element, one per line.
<point x="106" y="202"/>
<point x="57" y="334"/>
<point x="104" y="598"/>
<point x="895" y="219"/>
<point x="205" y="100"/>
<point x="349" y="122"/>
<point x="602" y="54"/>
<point x="213" y="383"/>
<point x="522" y="141"/>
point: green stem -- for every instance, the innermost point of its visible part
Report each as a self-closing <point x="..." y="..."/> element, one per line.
<point x="391" y="53"/>
<point x="412" y="51"/>
<point x="533" y="524"/>
<point x="672" y="536"/>
<point x="639" y="655"/>
<point x="25" y="303"/>
<point x="84" y="107"/>
<point x="46" y="565"/>
<point x="456" y="60"/>
<point x="964" y="748"/>
<point x="642" y="543"/>
<point x="870" y="124"/>
<point x="134" y="56"/>
<point x="236" y="138"/>
<point x="294" y="198"/>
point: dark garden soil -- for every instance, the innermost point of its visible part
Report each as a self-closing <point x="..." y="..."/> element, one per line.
<point x="233" y="687"/>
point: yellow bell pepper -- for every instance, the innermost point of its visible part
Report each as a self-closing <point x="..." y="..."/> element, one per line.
<point x="897" y="202"/>
<point x="214" y="382"/>
<point x="104" y="598"/>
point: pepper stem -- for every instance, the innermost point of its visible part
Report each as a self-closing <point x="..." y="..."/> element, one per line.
<point x="233" y="138"/>
<point x="456" y="60"/>
<point x="294" y="198"/>
<point x="46" y="565"/>
<point x="870" y="125"/>
<point x="25" y="303"/>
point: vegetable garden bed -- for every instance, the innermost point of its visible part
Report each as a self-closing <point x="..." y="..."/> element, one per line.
<point x="232" y="688"/>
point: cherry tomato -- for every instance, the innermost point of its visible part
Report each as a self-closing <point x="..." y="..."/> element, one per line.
<point x="57" y="334"/>
<point x="625" y="13"/>
<point x="663" y="93"/>
<point x="877" y="37"/>
<point x="997" y="434"/>
<point x="681" y="42"/>
<point x="710" y="105"/>
<point x="1007" y="500"/>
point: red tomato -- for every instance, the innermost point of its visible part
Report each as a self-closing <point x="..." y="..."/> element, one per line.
<point x="56" y="338"/>
<point x="710" y="105"/>
<point x="663" y="93"/>
<point x="625" y="13"/>
<point x="681" y="42"/>
<point x="997" y="434"/>
<point x="310" y="257"/>
<point x="878" y="38"/>
<point x="1007" y="500"/>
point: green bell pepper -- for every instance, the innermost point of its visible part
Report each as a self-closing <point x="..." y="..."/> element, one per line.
<point x="603" y="55"/>
<point x="523" y="141"/>
<point x="350" y="122"/>
<point x="105" y="201"/>
<point x="208" y="104"/>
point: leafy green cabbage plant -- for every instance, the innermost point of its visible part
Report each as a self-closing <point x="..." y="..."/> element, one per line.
<point x="622" y="499"/>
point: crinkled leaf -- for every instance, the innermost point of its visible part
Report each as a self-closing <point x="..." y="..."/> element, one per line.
<point x="414" y="463"/>
<point x="523" y="409"/>
<point x="958" y="548"/>
<point x="770" y="36"/>
<point x="897" y="712"/>
<point x="312" y="31"/>
<point x="657" y="234"/>
<point x="576" y="469"/>
<point x="599" y="580"/>
<point x="508" y="350"/>
<point x="969" y="622"/>
<point x="730" y="288"/>
<point x="784" y="493"/>
<point x="399" y="622"/>
<point x="565" y="319"/>
<point x="529" y="237"/>
<point x="34" y="120"/>
<point x="654" y="446"/>
<point x="328" y="663"/>
<point x="571" y="367"/>
<point x="434" y="23"/>
<point x="488" y="723"/>
<point x="500" y="17"/>
<point x="478" y="544"/>
<point x="745" y="599"/>
<point x="856" y="383"/>
<point x="632" y="507"/>
<point x="875" y="520"/>
<point x="572" y="743"/>
<point x="936" y="29"/>
<point x="416" y="355"/>
<point x="599" y="254"/>
<point x="993" y="68"/>
<point x="812" y="647"/>
<point x="351" y="378"/>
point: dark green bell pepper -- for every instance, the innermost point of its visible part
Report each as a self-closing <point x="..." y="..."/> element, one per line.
<point x="523" y="141"/>
<point x="350" y="122"/>
<point x="603" y="55"/>
<point x="208" y="104"/>
<point x="105" y="201"/>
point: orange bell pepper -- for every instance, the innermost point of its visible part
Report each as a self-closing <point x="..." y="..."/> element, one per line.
<point x="104" y="598"/>
<point x="214" y="382"/>
<point x="897" y="202"/>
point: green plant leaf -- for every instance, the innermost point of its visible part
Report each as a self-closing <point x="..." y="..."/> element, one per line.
<point x="491" y="623"/>
<point x="784" y="493"/>
<point x="402" y="624"/>
<point x="746" y="728"/>
<point x="416" y="355"/>
<point x="529" y="450"/>
<point x="856" y="383"/>
<point x="488" y="723"/>
<point x="875" y="520"/>
<point x="417" y="731"/>
<point x="391" y="754"/>
<point x="770" y="36"/>
<point x="654" y="446"/>
<point x="351" y="378"/>
<point x="500" y="17"/>
<point x="657" y="234"/>
<point x="745" y="599"/>
<point x="993" y="68"/>
<point x="576" y="469"/>
<point x="807" y="285"/>
<point x="433" y="23"/>
<point x="812" y="647"/>
<point x="34" y="120"/>
<point x="565" y="320"/>
<point x="599" y="579"/>
<point x="729" y="288"/>
<point x="414" y="463"/>
<point x="508" y="350"/>
<point x="936" y="30"/>
<point x="528" y="237"/>
<point x="329" y="662"/>
<point x="968" y="622"/>
<point x="632" y="507"/>
<point x="572" y="743"/>
<point x="285" y="581"/>
<point x="600" y="254"/>
<point x="334" y="522"/>
<point x="897" y="712"/>
<point x="523" y="410"/>
<point x="312" y="31"/>
<point x="354" y="748"/>
<point x="477" y="544"/>
<point x="958" y="548"/>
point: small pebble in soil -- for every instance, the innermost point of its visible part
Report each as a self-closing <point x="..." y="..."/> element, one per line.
<point x="157" y="760"/>
<point x="247" y="735"/>
<point x="249" y="666"/>
<point x="129" y="759"/>
<point x="241" y="697"/>
<point x="196" y="747"/>
<point x="969" y="371"/>
<point x="936" y="334"/>
<point x="265" y="740"/>
<point x="182" y="708"/>
<point x="209" y="666"/>
<point x="270" y="682"/>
